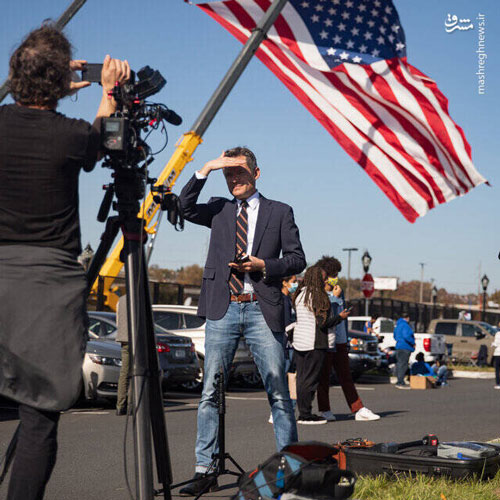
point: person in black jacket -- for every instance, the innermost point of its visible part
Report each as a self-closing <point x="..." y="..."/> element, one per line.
<point x="43" y="289"/>
<point x="311" y="339"/>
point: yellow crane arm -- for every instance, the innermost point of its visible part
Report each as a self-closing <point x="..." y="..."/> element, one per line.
<point x="183" y="154"/>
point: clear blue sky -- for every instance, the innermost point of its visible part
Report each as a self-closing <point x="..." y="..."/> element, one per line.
<point x="336" y="205"/>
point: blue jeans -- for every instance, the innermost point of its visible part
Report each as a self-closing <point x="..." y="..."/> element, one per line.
<point x="267" y="347"/>
<point x="442" y="374"/>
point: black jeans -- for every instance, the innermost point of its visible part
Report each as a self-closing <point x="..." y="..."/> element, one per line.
<point x="35" y="454"/>
<point x="402" y="357"/>
<point x="309" y="364"/>
<point x="497" y="370"/>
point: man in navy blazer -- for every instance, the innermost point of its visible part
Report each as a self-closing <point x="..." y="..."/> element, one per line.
<point x="254" y="243"/>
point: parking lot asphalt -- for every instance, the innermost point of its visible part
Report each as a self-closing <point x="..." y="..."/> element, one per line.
<point x="91" y="438"/>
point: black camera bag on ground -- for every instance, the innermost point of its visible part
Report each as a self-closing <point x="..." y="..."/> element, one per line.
<point x="307" y="470"/>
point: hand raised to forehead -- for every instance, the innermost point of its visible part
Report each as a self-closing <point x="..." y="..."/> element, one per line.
<point x="226" y="162"/>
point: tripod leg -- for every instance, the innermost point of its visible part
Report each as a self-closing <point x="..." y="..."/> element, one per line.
<point x="233" y="461"/>
<point x="139" y="357"/>
<point x="160" y="440"/>
<point x="107" y="239"/>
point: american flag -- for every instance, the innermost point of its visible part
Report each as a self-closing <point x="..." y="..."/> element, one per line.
<point x="345" y="60"/>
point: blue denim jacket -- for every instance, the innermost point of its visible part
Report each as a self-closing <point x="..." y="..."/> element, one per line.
<point x="341" y="328"/>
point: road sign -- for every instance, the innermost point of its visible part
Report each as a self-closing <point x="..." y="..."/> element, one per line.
<point x="367" y="285"/>
<point x="386" y="283"/>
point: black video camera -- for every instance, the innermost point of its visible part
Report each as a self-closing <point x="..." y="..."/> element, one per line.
<point x="120" y="133"/>
<point x="126" y="152"/>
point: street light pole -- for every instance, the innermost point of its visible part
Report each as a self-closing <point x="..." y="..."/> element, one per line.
<point x="349" y="250"/>
<point x="434" y="294"/>
<point x="484" y="281"/>
<point x="366" y="261"/>
<point x="421" y="264"/>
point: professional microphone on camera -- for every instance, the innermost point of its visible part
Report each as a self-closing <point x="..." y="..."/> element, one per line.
<point x="171" y="116"/>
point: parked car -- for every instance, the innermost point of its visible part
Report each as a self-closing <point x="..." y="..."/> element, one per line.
<point x="176" y="354"/>
<point x="380" y="326"/>
<point x="432" y="345"/>
<point x="102" y="324"/>
<point x="364" y="354"/>
<point x="184" y="320"/>
<point x="101" y="369"/>
<point x="464" y="337"/>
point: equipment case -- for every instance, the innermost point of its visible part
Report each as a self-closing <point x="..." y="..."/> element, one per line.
<point x="414" y="457"/>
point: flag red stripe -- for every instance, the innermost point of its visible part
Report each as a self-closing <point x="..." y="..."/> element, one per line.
<point x="391" y="138"/>
<point x="437" y="126"/>
<point x="284" y="31"/>
<point x="428" y="146"/>
<point x="431" y="85"/>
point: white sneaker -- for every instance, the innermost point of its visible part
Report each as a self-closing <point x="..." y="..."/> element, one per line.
<point x="365" y="414"/>
<point x="330" y="417"/>
<point x="497" y="387"/>
<point x="271" y="419"/>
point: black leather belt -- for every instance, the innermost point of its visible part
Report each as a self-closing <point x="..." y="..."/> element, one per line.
<point x="244" y="297"/>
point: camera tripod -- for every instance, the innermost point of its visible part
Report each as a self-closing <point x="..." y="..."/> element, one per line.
<point x="148" y="416"/>
<point x="217" y="466"/>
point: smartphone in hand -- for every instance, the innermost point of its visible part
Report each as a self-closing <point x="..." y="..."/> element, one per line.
<point x="92" y="73"/>
<point x="241" y="258"/>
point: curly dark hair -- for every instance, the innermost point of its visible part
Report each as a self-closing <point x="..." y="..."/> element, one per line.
<point x="315" y="298"/>
<point x="242" y="151"/>
<point x="39" y="72"/>
<point x="330" y="265"/>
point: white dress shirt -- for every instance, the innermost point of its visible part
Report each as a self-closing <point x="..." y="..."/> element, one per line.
<point x="252" y="212"/>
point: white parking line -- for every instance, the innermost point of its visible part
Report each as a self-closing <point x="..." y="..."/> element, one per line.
<point x="359" y="388"/>
<point x="88" y="412"/>
<point x="246" y="399"/>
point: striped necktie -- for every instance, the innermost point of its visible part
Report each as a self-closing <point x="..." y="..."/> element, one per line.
<point x="236" y="279"/>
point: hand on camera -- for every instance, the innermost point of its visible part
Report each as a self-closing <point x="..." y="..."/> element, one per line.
<point x="114" y="71"/>
<point x="254" y="264"/>
<point x="77" y="65"/>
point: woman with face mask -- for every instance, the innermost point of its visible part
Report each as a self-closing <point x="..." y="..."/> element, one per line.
<point x="338" y="356"/>
<point x="311" y="340"/>
<point x="288" y="288"/>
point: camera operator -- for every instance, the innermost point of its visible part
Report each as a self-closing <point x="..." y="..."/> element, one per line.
<point x="43" y="288"/>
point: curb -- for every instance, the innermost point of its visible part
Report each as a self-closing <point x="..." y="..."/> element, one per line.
<point x="470" y="374"/>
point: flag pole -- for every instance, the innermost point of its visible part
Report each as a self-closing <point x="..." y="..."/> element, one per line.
<point x="240" y="63"/>
<point x="63" y="20"/>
